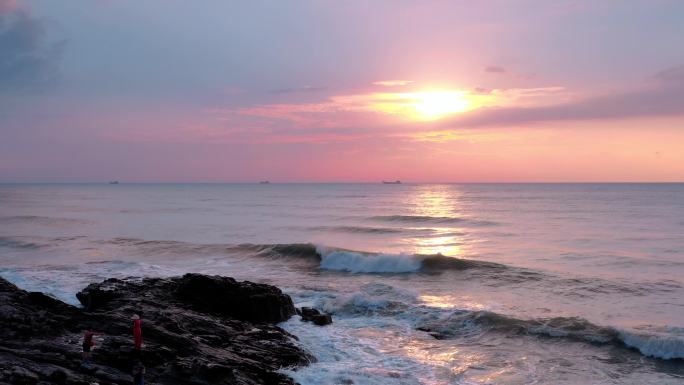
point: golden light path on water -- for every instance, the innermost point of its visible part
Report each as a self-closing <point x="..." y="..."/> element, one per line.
<point x="452" y="361"/>
<point x="450" y="301"/>
<point x="448" y="361"/>
<point x="441" y="203"/>
<point x="447" y="245"/>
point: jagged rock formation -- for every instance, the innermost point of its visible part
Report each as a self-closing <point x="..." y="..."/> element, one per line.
<point x="197" y="329"/>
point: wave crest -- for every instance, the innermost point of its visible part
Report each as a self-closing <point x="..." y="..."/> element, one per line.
<point x="372" y="299"/>
<point x="655" y="344"/>
<point x="355" y="262"/>
<point x="363" y="262"/>
<point x="358" y="262"/>
<point x="649" y="343"/>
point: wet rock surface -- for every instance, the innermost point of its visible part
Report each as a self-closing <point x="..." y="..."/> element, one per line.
<point x="309" y="314"/>
<point x="196" y="329"/>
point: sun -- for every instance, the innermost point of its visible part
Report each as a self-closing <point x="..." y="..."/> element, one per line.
<point x="425" y="105"/>
<point x="431" y="105"/>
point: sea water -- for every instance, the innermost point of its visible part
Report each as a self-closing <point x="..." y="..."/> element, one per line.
<point x="427" y="283"/>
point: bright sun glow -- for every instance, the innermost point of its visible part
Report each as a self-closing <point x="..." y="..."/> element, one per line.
<point x="437" y="104"/>
<point x="423" y="105"/>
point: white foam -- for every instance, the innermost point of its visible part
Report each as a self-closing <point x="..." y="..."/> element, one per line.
<point x="43" y="281"/>
<point x="371" y="299"/>
<point x="354" y="351"/>
<point x="63" y="282"/>
<point x="354" y="262"/>
<point x="666" y="346"/>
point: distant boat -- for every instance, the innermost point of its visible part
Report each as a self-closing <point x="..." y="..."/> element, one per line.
<point x="264" y="182"/>
<point x="114" y="182"/>
<point x="390" y="182"/>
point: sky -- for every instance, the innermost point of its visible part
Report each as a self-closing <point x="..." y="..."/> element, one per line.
<point x="342" y="91"/>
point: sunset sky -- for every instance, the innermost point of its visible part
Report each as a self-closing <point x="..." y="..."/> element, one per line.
<point x="360" y="91"/>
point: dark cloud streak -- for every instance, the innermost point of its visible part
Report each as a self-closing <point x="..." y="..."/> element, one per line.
<point x="28" y="62"/>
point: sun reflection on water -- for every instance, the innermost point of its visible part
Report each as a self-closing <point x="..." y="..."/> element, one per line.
<point x="435" y="201"/>
<point x="446" y="245"/>
<point x="450" y="302"/>
<point x="438" y="204"/>
<point x="454" y="361"/>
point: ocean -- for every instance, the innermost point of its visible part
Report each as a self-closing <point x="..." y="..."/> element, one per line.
<point x="427" y="283"/>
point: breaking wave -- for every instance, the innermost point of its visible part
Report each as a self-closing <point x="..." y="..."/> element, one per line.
<point x="363" y="262"/>
<point x="382" y="300"/>
<point x="327" y="258"/>
<point x="354" y="262"/>
<point x="657" y="344"/>
<point x="357" y="262"/>
<point x="373" y="299"/>
<point x="664" y="343"/>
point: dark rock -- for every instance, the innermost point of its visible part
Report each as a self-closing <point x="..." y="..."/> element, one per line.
<point x="313" y="315"/>
<point x="58" y="376"/>
<point x="20" y="375"/>
<point x="196" y="329"/>
<point x="245" y="301"/>
<point x="322" y="319"/>
<point x="99" y="294"/>
<point x="308" y="312"/>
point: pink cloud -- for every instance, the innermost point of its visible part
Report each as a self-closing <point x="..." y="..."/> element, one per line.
<point x="7" y="6"/>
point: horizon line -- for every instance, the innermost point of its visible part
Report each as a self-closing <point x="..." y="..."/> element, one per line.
<point x="120" y="182"/>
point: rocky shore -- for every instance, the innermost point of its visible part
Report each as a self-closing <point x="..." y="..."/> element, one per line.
<point x="197" y="329"/>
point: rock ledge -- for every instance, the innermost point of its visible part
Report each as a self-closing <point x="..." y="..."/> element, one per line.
<point x="197" y="329"/>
